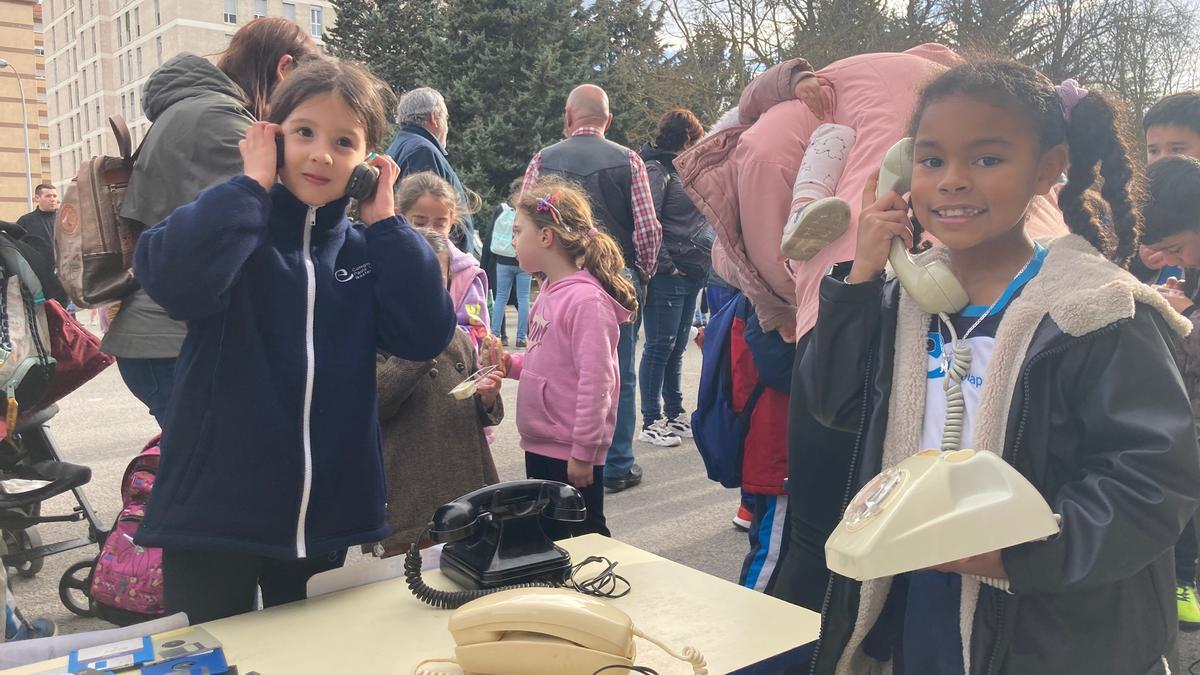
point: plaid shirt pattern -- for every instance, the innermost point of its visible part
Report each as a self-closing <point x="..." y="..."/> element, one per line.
<point x="647" y="233"/>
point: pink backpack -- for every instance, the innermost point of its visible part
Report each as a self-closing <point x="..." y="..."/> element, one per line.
<point x="127" y="580"/>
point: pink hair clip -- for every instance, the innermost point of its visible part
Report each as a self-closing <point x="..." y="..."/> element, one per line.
<point x="592" y="231"/>
<point x="546" y="205"/>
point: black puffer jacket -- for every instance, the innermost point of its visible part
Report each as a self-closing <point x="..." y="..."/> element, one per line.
<point x="687" y="236"/>
<point x="1098" y="420"/>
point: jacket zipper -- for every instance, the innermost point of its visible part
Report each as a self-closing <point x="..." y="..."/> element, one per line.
<point x="1016" y="447"/>
<point x="310" y="274"/>
<point x="846" y="496"/>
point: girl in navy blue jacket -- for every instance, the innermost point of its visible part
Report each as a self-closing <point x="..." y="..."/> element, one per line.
<point x="271" y="463"/>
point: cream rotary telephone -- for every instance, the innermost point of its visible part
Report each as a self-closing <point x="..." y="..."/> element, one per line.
<point x="936" y="506"/>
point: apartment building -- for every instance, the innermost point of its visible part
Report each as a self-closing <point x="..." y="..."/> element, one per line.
<point x="100" y="52"/>
<point x="22" y="83"/>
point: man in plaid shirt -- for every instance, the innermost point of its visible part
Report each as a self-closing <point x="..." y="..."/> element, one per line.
<point x="615" y="179"/>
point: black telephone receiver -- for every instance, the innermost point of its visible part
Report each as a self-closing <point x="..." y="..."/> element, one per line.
<point x="493" y="539"/>
<point x="363" y="179"/>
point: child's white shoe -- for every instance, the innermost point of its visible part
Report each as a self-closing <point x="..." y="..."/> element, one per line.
<point x="814" y="227"/>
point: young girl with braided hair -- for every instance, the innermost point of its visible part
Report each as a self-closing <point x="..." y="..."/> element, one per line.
<point x="1071" y="380"/>
<point x="567" y="398"/>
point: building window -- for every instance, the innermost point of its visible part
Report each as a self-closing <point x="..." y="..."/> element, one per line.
<point x="260" y="8"/>
<point x="158" y="46"/>
<point x="315" y="28"/>
<point x="97" y="114"/>
<point x="230" y="11"/>
<point x="117" y="25"/>
<point x="124" y="107"/>
<point x="137" y="20"/>
<point x="157" y="14"/>
<point x="289" y="11"/>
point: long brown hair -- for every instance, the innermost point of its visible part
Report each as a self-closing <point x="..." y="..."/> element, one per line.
<point x="414" y="186"/>
<point x="576" y="232"/>
<point x="253" y="57"/>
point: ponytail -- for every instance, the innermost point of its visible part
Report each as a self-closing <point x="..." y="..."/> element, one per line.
<point x="1098" y="141"/>
<point x="602" y="259"/>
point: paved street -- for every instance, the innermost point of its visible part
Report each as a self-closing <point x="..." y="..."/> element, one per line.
<point x="676" y="513"/>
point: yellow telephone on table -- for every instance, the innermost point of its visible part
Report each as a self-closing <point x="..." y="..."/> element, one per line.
<point x="937" y="506"/>
<point x="543" y="631"/>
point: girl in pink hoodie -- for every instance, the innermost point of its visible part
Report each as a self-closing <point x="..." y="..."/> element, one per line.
<point x="428" y="200"/>
<point x="567" y="399"/>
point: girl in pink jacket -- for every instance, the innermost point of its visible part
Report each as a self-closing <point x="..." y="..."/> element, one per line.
<point x="428" y="200"/>
<point x="567" y="399"/>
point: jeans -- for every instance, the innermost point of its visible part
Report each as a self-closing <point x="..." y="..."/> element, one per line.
<point x="670" y="305"/>
<point x="506" y="276"/>
<point x="151" y="381"/>
<point x="620" y="453"/>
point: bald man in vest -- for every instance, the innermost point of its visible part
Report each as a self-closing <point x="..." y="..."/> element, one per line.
<point x="615" y="180"/>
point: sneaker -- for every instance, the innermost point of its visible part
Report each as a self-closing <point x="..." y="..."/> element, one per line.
<point x="679" y="425"/>
<point x="1189" y="608"/>
<point x="742" y="520"/>
<point x="815" y="227"/>
<point x="656" y="434"/>
<point x="623" y="482"/>
<point x="504" y="340"/>
<point x="520" y="344"/>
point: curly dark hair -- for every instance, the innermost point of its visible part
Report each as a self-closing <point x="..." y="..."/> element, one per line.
<point x="676" y="129"/>
<point x="1097" y="139"/>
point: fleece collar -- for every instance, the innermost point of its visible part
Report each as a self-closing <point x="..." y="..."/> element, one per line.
<point x="1081" y="292"/>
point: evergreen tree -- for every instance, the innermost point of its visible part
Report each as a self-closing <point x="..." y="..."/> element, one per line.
<point x="506" y="69"/>
<point x="397" y="39"/>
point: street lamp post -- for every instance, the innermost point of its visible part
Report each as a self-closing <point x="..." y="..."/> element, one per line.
<point x="25" y="132"/>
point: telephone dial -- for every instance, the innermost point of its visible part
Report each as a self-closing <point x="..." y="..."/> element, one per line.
<point x="544" y="631"/>
<point x="363" y="179"/>
<point x="943" y="505"/>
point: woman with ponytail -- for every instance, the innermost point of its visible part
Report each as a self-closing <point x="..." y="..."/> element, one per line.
<point x="567" y="399"/>
<point x="1070" y="379"/>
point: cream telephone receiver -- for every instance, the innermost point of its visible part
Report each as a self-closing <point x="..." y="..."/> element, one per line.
<point x="932" y="285"/>
<point x="544" y="631"/>
<point x="934" y="508"/>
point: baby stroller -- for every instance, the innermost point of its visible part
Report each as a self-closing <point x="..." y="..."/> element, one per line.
<point x="28" y="477"/>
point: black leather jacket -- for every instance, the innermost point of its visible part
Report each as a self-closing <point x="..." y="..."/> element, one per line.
<point x="1101" y="425"/>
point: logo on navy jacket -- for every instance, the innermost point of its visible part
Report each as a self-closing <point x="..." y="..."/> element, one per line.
<point x="344" y="274"/>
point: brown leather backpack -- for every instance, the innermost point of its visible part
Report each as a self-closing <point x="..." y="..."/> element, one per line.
<point x="94" y="243"/>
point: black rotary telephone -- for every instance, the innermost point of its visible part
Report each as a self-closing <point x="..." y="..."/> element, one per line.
<point x="493" y="540"/>
<point x="363" y="179"/>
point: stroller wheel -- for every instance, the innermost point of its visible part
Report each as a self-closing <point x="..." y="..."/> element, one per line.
<point x="75" y="586"/>
<point x="23" y="540"/>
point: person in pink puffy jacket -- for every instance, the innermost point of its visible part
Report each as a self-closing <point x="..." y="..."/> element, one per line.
<point x="743" y="178"/>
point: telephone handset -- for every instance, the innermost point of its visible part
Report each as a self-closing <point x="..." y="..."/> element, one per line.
<point x="545" y="631"/>
<point x="932" y="285"/>
<point x="493" y="540"/>
<point x="363" y="179"/>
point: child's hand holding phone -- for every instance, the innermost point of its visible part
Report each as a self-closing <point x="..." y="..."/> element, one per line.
<point x="383" y="204"/>
<point x="260" y="153"/>
<point x="881" y="221"/>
